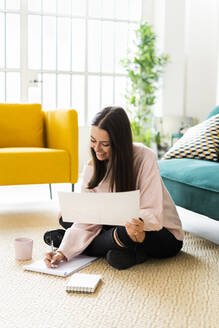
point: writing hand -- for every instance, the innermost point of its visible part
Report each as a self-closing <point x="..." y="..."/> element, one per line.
<point x="52" y="259"/>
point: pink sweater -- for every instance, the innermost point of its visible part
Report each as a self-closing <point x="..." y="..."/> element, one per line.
<point x="156" y="206"/>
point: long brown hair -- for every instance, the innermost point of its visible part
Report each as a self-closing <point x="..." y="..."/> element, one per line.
<point x="115" y="121"/>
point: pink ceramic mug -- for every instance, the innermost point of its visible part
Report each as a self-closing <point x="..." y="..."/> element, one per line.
<point x="23" y="248"/>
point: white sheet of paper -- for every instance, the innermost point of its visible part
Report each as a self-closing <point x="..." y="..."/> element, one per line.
<point x="99" y="208"/>
<point x="64" y="269"/>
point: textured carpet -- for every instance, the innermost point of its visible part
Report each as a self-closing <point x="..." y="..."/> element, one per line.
<point x="178" y="292"/>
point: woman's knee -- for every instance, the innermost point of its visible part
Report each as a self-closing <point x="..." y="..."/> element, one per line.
<point x="121" y="259"/>
<point x="162" y="244"/>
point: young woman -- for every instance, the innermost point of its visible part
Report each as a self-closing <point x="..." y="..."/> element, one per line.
<point x="119" y="165"/>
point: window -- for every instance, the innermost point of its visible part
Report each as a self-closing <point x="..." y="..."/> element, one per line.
<point x="66" y="53"/>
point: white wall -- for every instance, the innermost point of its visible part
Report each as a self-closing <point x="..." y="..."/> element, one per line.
<point x="202" y="58"/>
<point x="84" y="138"/>
<point x="174" y="45"/>
<point x="189" y="31"/>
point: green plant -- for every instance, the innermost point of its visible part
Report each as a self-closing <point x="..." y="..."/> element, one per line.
<point x="144" y="67"/>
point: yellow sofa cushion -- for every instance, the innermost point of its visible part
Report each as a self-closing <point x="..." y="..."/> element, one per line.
<point x="21" y="125"/>
<point x="33" y="166"/>
<point x="62" y="133"/>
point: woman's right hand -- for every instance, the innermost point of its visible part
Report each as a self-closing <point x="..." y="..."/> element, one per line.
<point x="52" y="259"/>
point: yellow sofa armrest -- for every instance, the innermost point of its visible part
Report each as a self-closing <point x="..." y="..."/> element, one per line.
<point x="61" y="129"/>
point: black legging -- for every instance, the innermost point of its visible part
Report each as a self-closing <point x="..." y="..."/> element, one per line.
<point x="157" y="244"/>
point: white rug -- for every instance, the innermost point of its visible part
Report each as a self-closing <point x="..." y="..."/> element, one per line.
<point x="182" y="292"/>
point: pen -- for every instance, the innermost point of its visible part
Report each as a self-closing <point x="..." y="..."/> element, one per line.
<point x="52" y="248"/>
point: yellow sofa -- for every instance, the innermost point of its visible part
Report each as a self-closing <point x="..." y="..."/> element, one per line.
<point x="36" y="146"/>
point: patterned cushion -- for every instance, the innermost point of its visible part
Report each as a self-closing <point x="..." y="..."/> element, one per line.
<point x="200" y="141"/>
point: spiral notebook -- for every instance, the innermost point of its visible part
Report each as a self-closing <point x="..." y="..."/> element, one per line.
<point x="83" y="282"/>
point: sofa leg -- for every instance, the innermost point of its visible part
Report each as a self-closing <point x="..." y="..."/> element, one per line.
<point x="72" y="188"/>
<point x="50" y="191"/>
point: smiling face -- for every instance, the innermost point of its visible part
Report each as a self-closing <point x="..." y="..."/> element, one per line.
<point x="100" y="143"/>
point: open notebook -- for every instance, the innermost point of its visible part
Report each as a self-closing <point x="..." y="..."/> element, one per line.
<point x="64" y="269"/>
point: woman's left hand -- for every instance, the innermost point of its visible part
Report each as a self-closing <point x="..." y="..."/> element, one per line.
<point x="135" y="230"/>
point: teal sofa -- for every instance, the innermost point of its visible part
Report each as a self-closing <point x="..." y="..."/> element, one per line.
<point x="193" y="183"/>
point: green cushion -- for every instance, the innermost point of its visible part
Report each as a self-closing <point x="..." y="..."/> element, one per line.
<point x="193" y="184"/>
<point x="214" y="111"/>
<point x="198" y="173"/>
